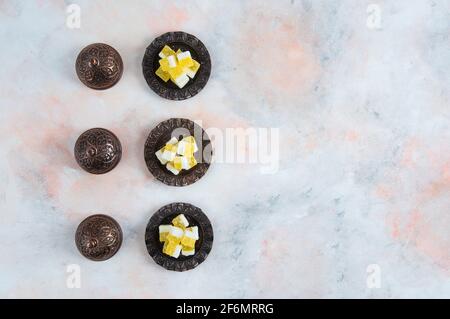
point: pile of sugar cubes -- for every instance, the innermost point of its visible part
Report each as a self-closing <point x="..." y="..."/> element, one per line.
<point x="178" y="155"/>
<point x="176" y="66"/>
<point x="178" y="237"/>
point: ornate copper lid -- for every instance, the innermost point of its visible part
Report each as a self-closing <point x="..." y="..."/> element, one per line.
<point x="98" y="151"/>
<point x="99" y="66"/>
<point x="98" y="237"/>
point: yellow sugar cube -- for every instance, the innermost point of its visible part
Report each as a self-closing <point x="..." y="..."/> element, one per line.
<point x="185" y="163"/>
<point x="184" y="59"/>
<point x="186" y="251"/>
<point x="164" y="64"/>
<point x="159" y="154"/>
<point x="180" y="221"/>
<point x="195" y="66"/>
<point x="194" y="231"/>
<point x="177" y="66"/>
<point x="168" y="63"/>
<point x="172" y="61"/>
<point x="186" y="63"/>
<point x="166" y="51"/>
<point x="178" y="162"/>
<point x="163" y="231"/>
<point x="188" y="239"/>
<point x="181" y="81"/>
<point x="169" y="247"/>
<point x="171" y="147"/>
<point x="179" y="238"/>
<point x="172" y="249"/>
<point x="172" y="141"/>
<point x="176" y="72"/>
<point x="185" y="148"/>
<point x="168" y="154"/>
<point x="175" y="234"/>
<point x="192" y="162"/>
<point x="191" y="71"/>
<point x="191" y="140"/>
<point x="188" y="242"/>
<point x="178" y="155"/>
<point x="172" y="169"/>
<point x="189" y="150"/>
<point x="162" y="74"/>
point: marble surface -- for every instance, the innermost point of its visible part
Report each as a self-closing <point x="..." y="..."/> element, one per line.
<point x="359" y="91"/>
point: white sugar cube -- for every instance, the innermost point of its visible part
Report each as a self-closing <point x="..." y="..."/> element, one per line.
<point x="172" y="61"/>
<point x="184" y="163"/>
<point x="181" y="147"/>
<point x="168" y="156"/>
<point x="177" y="251"/>
<point x="194" y="231"/>
<point x="176" y="232"/>
<point x="183" y="55"/>
<point x="185" y="252"/>
<point x="172" y="169"/>
<point x="172" y="141"/>
<point x="159" y="156"/>
<point x="189" y="72"/>
<point x="182" y="80"/>
<point x="190" y="234"/>
<point x="183" y="220"/>
<point x="164" y="228"/>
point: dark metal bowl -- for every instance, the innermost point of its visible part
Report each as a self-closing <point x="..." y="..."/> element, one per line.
<point x="161" y="134"/>
<point x="164" y="216"/>
<point x="176" y="40"/>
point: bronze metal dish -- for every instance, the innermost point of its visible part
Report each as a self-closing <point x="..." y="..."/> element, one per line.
<point x="161" y="134"/>
<point x="98" y="237"/>
<point x="196" y="217"/>
<point x="99" y="66"/>
<point x="98" y="151"/>
<point x="176" y="40"/>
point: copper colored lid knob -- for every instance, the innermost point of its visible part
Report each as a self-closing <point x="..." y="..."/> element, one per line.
<point x="98" y="237"/>
<point x="98" y="151"/>
<point x="99" y="66"/>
